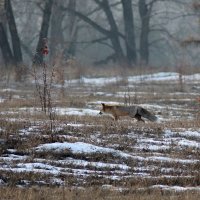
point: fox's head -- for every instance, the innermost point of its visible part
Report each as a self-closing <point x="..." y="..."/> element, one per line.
<point x="103" y="109"/>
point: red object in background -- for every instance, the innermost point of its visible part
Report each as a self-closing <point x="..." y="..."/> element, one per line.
<point x="45" y="50"/>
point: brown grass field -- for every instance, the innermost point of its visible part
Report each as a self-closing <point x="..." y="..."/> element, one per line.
<point x="126" y="159"/>
<point x="90" y="194"/>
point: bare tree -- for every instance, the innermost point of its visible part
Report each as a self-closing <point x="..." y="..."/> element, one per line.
<point x="69" y="30"/>
<point x="145" y="13"/>
<point x="38" y="59"/>
<point x="129" y="31"/>
<point x="72" y="30"/>
<point x="192" y="40"/>
<point x="56" y="34"/>
<point x="113" y="33"/>
<point x="16" y="46"/>
<point x="10" y="58"/>
<point x="126" y="31"/>
<point x="5" y="47"/>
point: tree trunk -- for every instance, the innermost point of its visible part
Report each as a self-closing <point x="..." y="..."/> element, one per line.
<point x="129" y="32"/>
<point x="73" y="30"/>
<point x="56" y="33"/>
<point x="38" y="59"/>
<point x="5" y="48"/>
<point x="17" y="53"/>
<point x="114" y="33"/>
<point x="2" y="9"/>
<point x="144" y="40"/>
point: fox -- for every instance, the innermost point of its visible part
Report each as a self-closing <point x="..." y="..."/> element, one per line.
<point x="134" y="111"/>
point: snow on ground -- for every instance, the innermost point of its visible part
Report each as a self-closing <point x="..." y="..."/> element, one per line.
<point x="77" y="111"/>
<point x="32" y="167"/>
<point x="12" y="157"/>
<point x="80" y="166"/>
<point x="63" y="111"/>
<point x="174" y="188"/>
<point x="161" y="76"/>
<point x="84" y="148"/>
<point x="78" y="148"/>
<point x="95" y="111"/>
<point x="142" y="154"/>
<point x="190" y="133"/>
<point x="2" y="100"/>
<point x="168" y="141"/>
<point x="85" y="163"/>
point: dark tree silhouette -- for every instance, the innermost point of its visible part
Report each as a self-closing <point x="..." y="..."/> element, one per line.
<point x="129" y="31"/>
<point x="5" y="47"/>
<point x="16" y="46"/>
<point x="38" y="58"/>
<point x="113" y="34"/>
<point x="145" y="15"/>
<point x="72" y="30"/>
<point x="56" y="37"/>
<point x="15" y="57"/>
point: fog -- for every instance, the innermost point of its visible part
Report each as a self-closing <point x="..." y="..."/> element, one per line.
<point x="103" y="32"/>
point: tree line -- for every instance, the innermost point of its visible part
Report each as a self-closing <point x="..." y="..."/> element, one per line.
<point x="116" y="27"/>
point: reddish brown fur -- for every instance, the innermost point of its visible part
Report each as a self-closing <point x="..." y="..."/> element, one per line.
<point x="113" y="111"/>
<point x="133" y="111"/>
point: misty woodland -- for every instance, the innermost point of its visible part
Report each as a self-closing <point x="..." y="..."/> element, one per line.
<point x="99" y="99"/>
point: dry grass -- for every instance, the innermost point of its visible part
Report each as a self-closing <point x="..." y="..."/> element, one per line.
<point x="23" y="130"/>
<point x="43" y="193"/>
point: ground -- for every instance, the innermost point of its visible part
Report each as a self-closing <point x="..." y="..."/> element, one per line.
<point x="78" y="148"/>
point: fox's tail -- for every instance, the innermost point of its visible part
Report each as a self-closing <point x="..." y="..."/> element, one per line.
<point x="146" y="114"/>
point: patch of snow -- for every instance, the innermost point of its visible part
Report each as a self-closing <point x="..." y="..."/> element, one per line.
<point x="189" y="133"/>
<point x="2" y="100"/>
<point x="75" y="125"/>
<point x="167" y="159"/>
<point x="113" y="188"/>
<point x="152" y="147"/>
<point x="84" y="163"/>
<point x="77" y="111"/>
<point x="10" y="90"/>
<point x="79" y="147"/>
<point x="100" y="81"/>
<point x="33" y="167"/>
<point x="12" y="157"/>
<point x="161" y="76"/>
<point x="12" y="150"/>
<point x="189" y="143"/>
<point x="169" y="133"/>
<point x="29" y="130"/>
<point x="175" y="188"/>
<point x="57" y="181"/>
<point x="2" y="182"/>
<point x="182" y="141"/>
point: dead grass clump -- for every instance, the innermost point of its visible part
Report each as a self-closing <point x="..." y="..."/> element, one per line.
<point x="95" y="157"/>
<point x="91" y="193"/>
<point x="13" y="179"/>
<point x="10" y="128"/>
<point x="179" y="125"/>
<point x="182" y="181"/>
<point x="76" y="102"/>
<point x="17" y="103"/>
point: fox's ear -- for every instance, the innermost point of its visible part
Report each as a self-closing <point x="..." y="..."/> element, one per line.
<point x="103" y="104"/>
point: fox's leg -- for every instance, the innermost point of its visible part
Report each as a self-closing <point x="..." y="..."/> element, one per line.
<point x="116" y="117"/>
<point x="138" y="117"/>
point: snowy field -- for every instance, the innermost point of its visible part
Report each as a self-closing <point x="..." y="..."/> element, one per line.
<point x="81" y="148"/>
